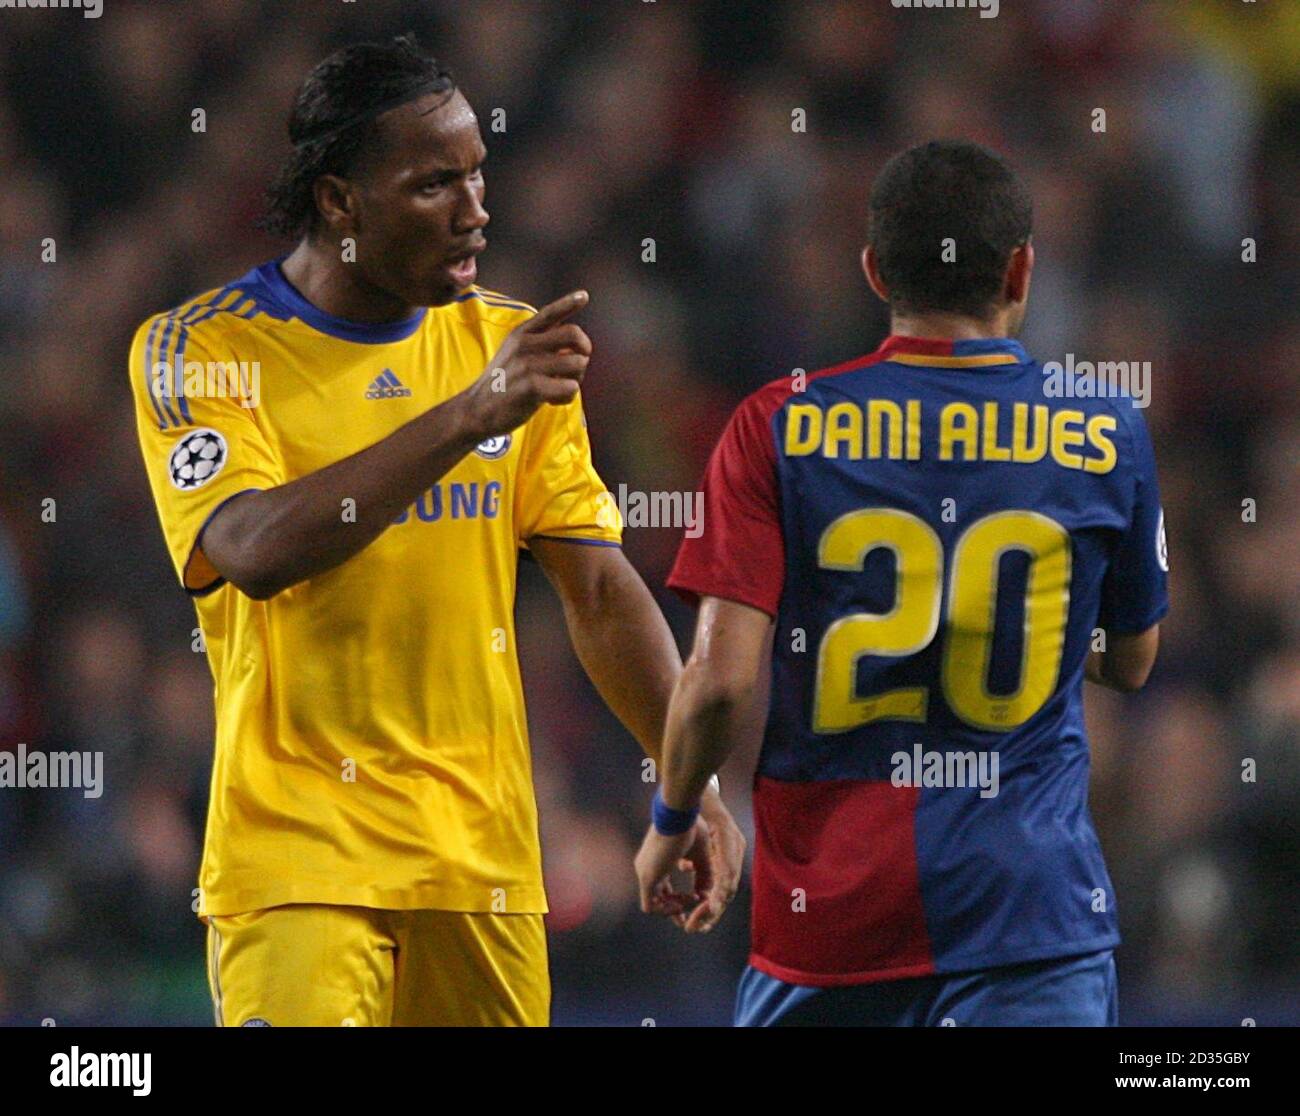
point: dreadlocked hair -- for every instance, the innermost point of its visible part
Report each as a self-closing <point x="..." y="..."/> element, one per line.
<point x="332" y="123"/>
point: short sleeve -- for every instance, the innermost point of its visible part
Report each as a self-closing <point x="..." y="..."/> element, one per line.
<point x="1135" y="592"/>
<point x="558" y="493"/>
<point x="739" y="553"/>
<point x="201" y="443"/>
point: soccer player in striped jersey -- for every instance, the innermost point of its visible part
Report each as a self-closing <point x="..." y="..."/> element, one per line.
<point x="922" y="553"/>
<point x="346" y="499"/>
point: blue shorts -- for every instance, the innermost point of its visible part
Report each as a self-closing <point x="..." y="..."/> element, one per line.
<point x="1060" y="992"/>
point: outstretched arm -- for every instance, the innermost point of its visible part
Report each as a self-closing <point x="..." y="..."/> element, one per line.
<point x="628" y="652"/>
<point x="620" y="636"/>
<point x="710" y="712"/>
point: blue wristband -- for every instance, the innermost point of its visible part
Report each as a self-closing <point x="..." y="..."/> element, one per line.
<point x="670" y="822"/>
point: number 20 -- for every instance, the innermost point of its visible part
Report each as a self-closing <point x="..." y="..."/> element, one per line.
<point x="914" y="620"/>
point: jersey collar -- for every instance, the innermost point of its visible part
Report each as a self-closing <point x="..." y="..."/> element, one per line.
<point x="368" y="333"/>
<point x="927" y="352"/>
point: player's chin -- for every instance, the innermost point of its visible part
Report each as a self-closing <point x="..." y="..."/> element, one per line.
<point x="444" y="287"/>
<point x="439" y="291"/>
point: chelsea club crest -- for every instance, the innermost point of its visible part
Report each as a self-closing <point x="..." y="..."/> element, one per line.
<point x="492" y="448"/>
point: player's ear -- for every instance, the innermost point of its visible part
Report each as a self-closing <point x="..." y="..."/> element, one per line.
<point x="871" y="269"/>
<point x="335" y="202"/>
<point x="1019" y="269"/>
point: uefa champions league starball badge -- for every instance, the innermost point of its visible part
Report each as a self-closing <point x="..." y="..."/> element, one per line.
<point x="197" y="458"/>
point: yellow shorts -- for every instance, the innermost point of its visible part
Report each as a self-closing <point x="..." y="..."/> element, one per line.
<point x="309" y="965"/>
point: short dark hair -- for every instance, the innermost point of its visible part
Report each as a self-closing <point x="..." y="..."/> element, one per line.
<point x="332" y="123"/>
<point x="937" y="190"/>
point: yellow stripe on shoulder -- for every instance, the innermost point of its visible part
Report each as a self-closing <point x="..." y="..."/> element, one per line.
<point x="189" y="305"/>
<point x="205" y="318"/>
<point x="201" y="308"/>
<point x="497" y="298"/>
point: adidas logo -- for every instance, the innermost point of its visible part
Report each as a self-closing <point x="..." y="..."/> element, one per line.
<point x="387" y="386"/>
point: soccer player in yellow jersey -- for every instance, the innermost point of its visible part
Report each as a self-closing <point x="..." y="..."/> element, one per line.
<point x="348" y="447"/>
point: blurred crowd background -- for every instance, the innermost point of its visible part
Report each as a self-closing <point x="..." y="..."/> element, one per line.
<point x="671" y="121"/>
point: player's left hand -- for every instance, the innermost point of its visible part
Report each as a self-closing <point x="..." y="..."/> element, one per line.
<point x="713" y="852"/>
<point x="655" y="862"/>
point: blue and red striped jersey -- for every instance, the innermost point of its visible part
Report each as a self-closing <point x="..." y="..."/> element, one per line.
<point x="941" y="537"/>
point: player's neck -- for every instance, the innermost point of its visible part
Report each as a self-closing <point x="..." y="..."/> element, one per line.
<point x="331" y="285"/>
<point x="955" y="327"/>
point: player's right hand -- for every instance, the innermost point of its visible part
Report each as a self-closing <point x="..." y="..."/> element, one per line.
<point x="541" y="361"/>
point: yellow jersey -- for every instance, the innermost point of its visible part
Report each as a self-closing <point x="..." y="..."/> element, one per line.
<point x="371" y="742"/>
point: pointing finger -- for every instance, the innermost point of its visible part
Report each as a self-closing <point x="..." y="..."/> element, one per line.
<point x="556" y="312"/>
